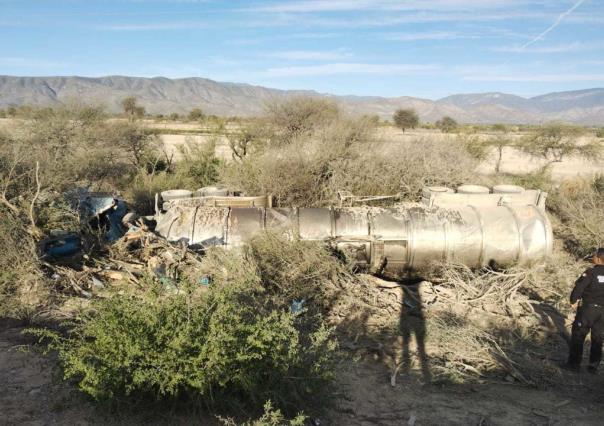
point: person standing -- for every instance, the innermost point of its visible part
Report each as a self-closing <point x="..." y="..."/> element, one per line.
<point x="587" y="298"/>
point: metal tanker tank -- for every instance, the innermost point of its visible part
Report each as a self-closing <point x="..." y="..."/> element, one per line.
<point x="476" y="229"/>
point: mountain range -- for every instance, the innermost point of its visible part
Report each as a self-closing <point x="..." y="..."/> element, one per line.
<point x="164" y="95"/>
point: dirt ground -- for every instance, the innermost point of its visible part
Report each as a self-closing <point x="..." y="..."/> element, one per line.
<point x="373" y="401"/>
<point x="33" y="394"/>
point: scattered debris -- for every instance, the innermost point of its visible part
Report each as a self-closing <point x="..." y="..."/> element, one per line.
<point x="60" y="244"/>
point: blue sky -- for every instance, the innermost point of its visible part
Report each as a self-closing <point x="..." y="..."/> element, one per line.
<point x="424" y="48"/>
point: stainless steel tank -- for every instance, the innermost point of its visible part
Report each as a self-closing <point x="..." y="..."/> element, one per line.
<point x="408" y="236"/>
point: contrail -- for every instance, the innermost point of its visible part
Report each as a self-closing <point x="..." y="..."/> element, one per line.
<point x="555" y="24"/>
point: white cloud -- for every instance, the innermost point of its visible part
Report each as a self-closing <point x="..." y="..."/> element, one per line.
<point x="557" y="48"/>
<point x="311" y="55"/>
<point x="389" y="19"/>
<point x="313" y="6"/>
<point x="351" y="68"/>
<point x="433" y="35"/>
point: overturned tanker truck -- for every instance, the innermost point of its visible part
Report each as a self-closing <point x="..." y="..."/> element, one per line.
<point x="473" y="225"/>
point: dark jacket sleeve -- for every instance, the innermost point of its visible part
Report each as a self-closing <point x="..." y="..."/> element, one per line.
<point x="580" y="286"/>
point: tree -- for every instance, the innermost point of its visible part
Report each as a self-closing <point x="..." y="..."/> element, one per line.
<point x="131" y="109"/>
<point x="174" y="116"/>
<point x="135" y="140"/>
<point x="556" y="141"/>
<point x="196" y="114"/>
<point x="446" y="124"/>
<point x="300" y="115"/>
<point x="499" y="142"/>
<point x="406" y="118"/>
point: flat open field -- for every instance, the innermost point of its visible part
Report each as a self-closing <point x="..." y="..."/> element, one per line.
<point x="514" y="161"/>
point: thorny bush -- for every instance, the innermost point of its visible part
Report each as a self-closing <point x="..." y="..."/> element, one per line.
<point x="342" y="154"/>
<point x="578" y="206"/>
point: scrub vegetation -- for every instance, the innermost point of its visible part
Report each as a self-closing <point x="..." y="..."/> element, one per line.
<point x="280" y="320"/>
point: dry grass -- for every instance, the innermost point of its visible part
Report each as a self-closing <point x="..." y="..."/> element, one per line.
<point x="578" y="205"/>
<point x="309" y="167"/>
<point x="22" y="288"/>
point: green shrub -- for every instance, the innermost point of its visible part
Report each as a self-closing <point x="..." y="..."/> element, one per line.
<point x="236" y="343"/>
<point x="270" y="417"/>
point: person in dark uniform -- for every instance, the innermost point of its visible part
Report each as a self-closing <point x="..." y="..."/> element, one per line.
<point x="587" y="298"/>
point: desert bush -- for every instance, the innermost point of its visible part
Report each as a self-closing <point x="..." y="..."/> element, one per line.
<point x="21" y="287"/>
<point x="136" y="144"/>
<point x="237" y="343"/>
<point x="270" y="417"/>
<point x="77" y="146"/>
<point x="346" y="155"/>
<point x="198" y="163"/>
<point x="446" y="124"/>
<point x="297" y="116"/>
<point x="578" y="206"/>
<point x="405" y="169"/>
<point x="196" y="114"/>
<point x="539" y="179"/>
<point x="197" y="168"/>
<point x="555" y="142"/>
<point x="309" y="269"/>
<point x="140" y="191"/>
<point x="131" y="108"/>
<point x="74" y="147"/>
<point x="473" y="145"/>
<point x="298" y="173"/>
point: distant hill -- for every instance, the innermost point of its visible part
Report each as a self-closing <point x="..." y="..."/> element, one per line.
<point x="163" y="95"/>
